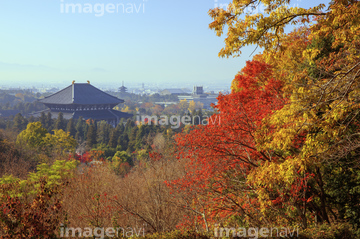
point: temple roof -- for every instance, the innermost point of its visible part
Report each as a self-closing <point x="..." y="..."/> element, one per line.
<point x="81" y="93"/>
<point x="172" y="91"/>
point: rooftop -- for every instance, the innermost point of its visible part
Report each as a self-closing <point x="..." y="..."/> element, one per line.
<point x="81" y="93"/>
<point x="172" y="91"/>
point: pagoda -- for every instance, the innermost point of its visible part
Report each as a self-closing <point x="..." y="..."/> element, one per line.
<point x="86" y="101"/>
<point x="122" y="89"/>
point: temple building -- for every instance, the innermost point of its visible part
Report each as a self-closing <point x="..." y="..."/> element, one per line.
<point x="122" y="89"/>
<point x="198" y="95"/>
<point x="86" y="101"/>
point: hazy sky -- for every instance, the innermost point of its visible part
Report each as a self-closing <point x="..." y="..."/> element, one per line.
<point x="147" y="41"/>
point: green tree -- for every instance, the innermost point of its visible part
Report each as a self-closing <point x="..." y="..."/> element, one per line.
<point x="123" y="141"/>
<point x="31" y="119"/>
<point x="49" y="122"/>
<point x="53" y="146"/>
<point x="42" y="119"/>
<point x="70" y="128"/>
<point x="140" y="136"/>
<point x="103" y="132"/>
<point x="80" y="129"/>
<point x="129" y="125"/>
<point x="60" y="122"/>
<point x="33" y="136"/>
<point x="114" y="135"/>
<point x="91" y="136"/>
<point x="121" y="162"/>
<point x="59" y="143"/>
<point x="19" y="122"/>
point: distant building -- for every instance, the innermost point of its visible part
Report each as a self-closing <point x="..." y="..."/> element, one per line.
<point x="166" y="104"/>
<point x="122" y="89"/>
<point x="86" y="101"/>
<point x="198" y="90"/>
<point x="198" y="95"/>
<point x="172" y="92"/>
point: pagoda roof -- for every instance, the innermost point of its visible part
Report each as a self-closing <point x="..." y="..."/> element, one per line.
<point x="81" y="93"/>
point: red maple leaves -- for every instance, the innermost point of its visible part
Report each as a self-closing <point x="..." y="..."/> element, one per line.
<point x="220" y="156"/>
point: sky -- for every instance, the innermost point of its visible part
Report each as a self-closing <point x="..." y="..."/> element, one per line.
<point x="163" y="42"/>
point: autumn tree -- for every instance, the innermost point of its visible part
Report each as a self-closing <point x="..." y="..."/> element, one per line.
<point x="193" y="106"/>
<point x="318" y="67"/>
<point x="14" y="160"/>
<point x="45" y="144"/>
<point x="183" y="105"/>
<point x="222" y="155"/>
<point x="33" y="136"/>
<point x="22" y="219"/>
<point x="264" y="29"/>
<point x="59" y="144"/>
<point x="121" y="163"/>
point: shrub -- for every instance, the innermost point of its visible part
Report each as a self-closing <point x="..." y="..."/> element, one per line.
<point x="333" y="231"/>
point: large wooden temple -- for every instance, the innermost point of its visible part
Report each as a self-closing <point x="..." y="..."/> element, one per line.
<point x="86" y="101"/>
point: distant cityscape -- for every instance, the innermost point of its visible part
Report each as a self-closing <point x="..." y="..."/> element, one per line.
<point x="139" y="88"/>
<point x="112" y="104"/>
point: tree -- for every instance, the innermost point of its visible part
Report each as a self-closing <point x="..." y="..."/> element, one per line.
<point x="193" y="106"/>
<point x="123" y="141"/>
<point x="70" y="128"/>
<point x="265" y="30"/>
<point x="80" y="131"/>
<point x="221" y="156"/>
<point x="130" y="124"/>
<point x="31" y="119"/>
<point x="139" y="137"/>
<point x="52" y="145"/>
<point x="49" y="122"/>
<point x="91" y="136"/>
<point x="42" y="119"/>
<point x="60" y="122"/>
<point x="114" y="135"/>
<point x="33" y="136"/>
<point x="183" y="105"/>
<point x="60" y="143"/>
<point x="157" y="109"/>
<point x="121" y="163"/>
<point x="315" y="134"/>
<point x="19" y="123"/>
<point x="39" y="218"/>
<point x="197" y="117"/>
<point x="20" y="96"/>
<point x="317" y="130"/>
<point x="103" y="132"/>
